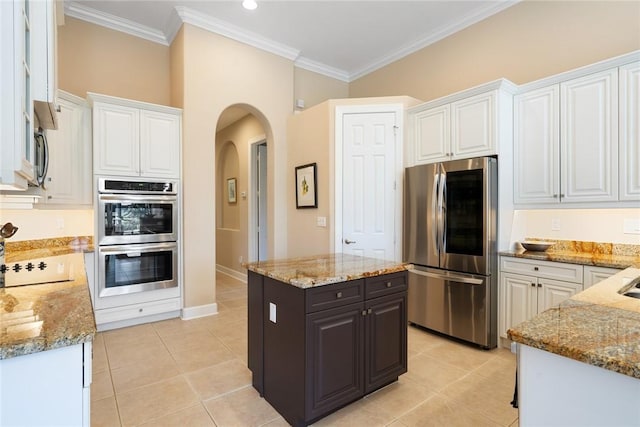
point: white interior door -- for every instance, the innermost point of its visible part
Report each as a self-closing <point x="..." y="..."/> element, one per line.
<point x="368" y="184"/>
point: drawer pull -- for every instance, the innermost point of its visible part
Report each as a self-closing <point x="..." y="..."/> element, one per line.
<point x="535" y="268"/>
<point x="388" y="284"/>
<point x="339" y="295"/>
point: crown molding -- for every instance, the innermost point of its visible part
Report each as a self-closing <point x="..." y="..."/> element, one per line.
<point x="434" y="37"/>
<point x="206" y="22"/>
<point x="88" y="14"/>
<point x="320" y="68"/>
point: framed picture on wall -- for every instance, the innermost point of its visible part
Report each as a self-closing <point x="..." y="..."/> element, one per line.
<point x="231" y="190"/>
<point x="306" y="186"/>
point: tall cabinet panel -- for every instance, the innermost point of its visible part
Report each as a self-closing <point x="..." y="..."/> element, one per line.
<point x="630" y="132"/>
<point x="589" y="156"/>
<point x="537" y="151"/>
<point x="116" y="131"/>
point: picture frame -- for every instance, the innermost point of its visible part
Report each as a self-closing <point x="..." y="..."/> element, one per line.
<point x="231" y="190"/>
<point x="306" y="186"/>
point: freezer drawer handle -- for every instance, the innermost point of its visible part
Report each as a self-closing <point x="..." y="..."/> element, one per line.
<point x="469" y="280"/>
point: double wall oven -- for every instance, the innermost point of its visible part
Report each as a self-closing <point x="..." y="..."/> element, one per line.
<point x="137" y="239"/>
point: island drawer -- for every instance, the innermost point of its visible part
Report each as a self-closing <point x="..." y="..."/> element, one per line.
<point x="387" y="284"/>
<point x="334" y="295"/>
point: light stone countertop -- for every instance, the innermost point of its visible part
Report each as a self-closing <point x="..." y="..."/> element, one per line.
<point x="47" y="316"/>
<point x="312" y="271"/>
<point x="598" y="326"/>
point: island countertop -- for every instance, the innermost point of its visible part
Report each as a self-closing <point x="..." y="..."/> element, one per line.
<point x="318" y="270"/>
<point x="598" y="326"/>
<point x="46" y="316"/>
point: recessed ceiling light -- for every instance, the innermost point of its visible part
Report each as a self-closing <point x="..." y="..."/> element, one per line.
<point x="249" y="4"/>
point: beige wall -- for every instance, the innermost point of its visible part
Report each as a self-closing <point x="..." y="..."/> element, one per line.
<point x="526" y="42"/>
<point x="96" y="59"/>
<point x="34" y="224"/>
<point x="314" y="88"/>
<point x="219" y="72"/>
<point x="233" y="218"/>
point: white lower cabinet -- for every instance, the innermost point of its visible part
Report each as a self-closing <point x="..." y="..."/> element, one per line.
<point x="530" y="287"/>
<point x="593" y="275"/>
<point x="47" y="388"/>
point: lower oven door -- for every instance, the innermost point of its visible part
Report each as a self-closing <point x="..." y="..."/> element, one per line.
<point x="457" y="304"/>
<point x="126" y="269"/>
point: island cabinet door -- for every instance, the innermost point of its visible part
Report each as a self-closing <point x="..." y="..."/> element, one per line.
<point x="385" y="340"/>
<point x="334" y="362"/>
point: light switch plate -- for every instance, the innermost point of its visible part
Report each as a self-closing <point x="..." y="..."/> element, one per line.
<point x="321" y="221"/>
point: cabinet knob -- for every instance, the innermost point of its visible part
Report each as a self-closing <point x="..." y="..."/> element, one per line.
<point x="539" y="285"/>
<point x="533" y="285"/>
<point x="388" y="284"/>
<point x="49" y="197"/>
<point x="364" y="312"/>
<point x="535" y="268"/>
<point x="339" y="295"/>
<point x="555" y="196"/>
<point x="369" y="311"/>
<point x="139" y="310"/>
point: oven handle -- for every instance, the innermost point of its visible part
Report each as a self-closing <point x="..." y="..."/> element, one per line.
<point x="137" y="249"/>
<point x="449" y="277"/>
<point x="137" y="198"/>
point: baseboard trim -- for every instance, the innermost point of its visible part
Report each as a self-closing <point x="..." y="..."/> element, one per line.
<point x="232" y="273"/>
<point x="189" y="313"/>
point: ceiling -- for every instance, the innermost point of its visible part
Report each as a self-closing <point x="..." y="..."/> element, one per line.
<point x="340" y="39"/>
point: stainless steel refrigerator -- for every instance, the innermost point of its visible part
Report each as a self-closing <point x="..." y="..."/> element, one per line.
<point x="450" y="224"/>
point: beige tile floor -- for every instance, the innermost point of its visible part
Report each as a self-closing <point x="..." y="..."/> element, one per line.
<point x="194" y="373"/>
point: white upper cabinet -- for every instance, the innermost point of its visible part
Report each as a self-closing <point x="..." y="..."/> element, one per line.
<point x="135" y="139"/>
<point x="44" y="62"/>
<point x="68" y="180"/>
<point x="471" y="123"/>
<point x="474" y="123"/>
<point x="431" y="133"/>
<point x="16" y="102"/>
<point x="589" y="138"/>
<point x="629" y="133"/>
<point x="537" y="146"/>
<point x="566" y="141"/>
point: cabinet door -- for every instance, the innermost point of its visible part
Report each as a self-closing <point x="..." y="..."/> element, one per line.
<point x="385" y="340"/>
<point x="536" y="150"/>
<point x="159" y="144"/>
<point x="518" y="300"/>
<point x="431" y="135"/>
<point x="473" y="131"/>
<point x="335" y="344"/>
<point x="630" y="132"/>
<point x="116" y="134"/>
<point x="589" y="135"/>
<point x="593" y="275"/>
<point x="552" y="292"/>
<point x="69" y="177"/>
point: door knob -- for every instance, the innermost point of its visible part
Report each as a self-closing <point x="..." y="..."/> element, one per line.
<point x="349" y="242"/>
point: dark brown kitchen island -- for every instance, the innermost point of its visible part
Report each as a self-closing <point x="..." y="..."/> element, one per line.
<point x="325" y="331"/>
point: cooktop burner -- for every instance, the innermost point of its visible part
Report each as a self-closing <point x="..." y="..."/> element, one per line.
<point x="38" y="271"/>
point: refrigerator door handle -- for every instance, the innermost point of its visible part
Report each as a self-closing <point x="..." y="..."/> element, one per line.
<point x="442" y="211"/>
<point x="449" y="277"/>
<point x="435" y="208"/>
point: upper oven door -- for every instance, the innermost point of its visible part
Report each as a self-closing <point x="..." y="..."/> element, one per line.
<point x="129" y="218"/>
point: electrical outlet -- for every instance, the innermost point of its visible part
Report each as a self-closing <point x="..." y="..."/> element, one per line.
<point x="555" y="224"/>
<point x="631" y="226"/>
<point x="60" y="223"/>
<point x="321" y="221"/>
<point x="272" y="312"/>
<point x="240" y="259"/>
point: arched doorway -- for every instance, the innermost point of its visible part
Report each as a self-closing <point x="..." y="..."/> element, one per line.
<point x="241" y="189"/>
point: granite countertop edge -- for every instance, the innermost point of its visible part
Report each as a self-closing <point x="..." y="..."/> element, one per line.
<point x="67" y="303"/>
<point x="288" y="270"/>
<point x="580" y="258"/>
<point x="581" y="332"/>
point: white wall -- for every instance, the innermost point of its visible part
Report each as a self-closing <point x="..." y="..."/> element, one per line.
<point x="592" y="225"/>
<point x="37" y="224"/>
